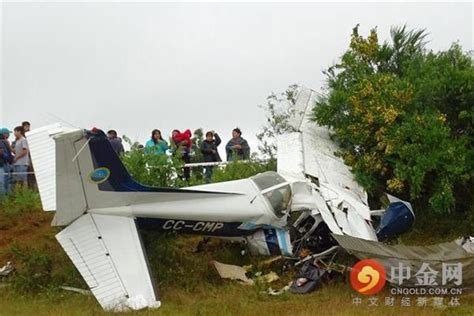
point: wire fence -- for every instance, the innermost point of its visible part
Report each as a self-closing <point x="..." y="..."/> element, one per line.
<point x="188" y="165"/>
<point x="216" y="163"/>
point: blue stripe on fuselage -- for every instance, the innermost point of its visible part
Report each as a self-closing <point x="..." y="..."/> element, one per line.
<point x="207" y="228"/>
<point x="272" y="241"/>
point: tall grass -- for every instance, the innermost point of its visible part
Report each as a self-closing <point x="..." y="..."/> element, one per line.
<point x="22" y="200"/>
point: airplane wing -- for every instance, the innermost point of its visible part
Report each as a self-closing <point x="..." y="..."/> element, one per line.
<point x="109" y="255"/>
<point x="310" y="151"/>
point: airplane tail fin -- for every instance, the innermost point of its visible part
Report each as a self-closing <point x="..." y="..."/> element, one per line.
<point x="89" y="175"/>
<point x="67" y="172"/>
<point x="77" y="171"/>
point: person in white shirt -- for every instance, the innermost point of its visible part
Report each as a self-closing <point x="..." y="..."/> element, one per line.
<point x="22" y="159"/>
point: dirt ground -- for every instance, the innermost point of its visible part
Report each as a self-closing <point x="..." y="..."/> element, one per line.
<point x="203" y="293"/>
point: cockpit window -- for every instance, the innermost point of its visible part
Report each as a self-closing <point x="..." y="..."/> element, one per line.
<point x="267" y="180"/>
<point x="279" y="199"/>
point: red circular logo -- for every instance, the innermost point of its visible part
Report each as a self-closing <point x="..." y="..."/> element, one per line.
<point x="368" y="277"/>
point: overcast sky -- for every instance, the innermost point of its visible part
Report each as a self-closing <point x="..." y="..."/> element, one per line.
<point x="136" y="67"/>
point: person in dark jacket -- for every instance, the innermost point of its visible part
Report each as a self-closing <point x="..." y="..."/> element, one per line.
<point x="7" y="160"/>
<point x="4" y="157"/>
<point x="237" y="148"/>
<point x="183" y="143"/>
<point x="210" y="152"/>
<point x="115" y="141"/>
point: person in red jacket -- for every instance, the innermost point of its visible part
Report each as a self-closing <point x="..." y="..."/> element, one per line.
<point x="183" y="143"/>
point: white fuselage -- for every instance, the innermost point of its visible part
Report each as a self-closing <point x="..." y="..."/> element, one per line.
<point x="242" y="204"/>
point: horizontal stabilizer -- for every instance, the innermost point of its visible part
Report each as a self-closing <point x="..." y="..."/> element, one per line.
<point x="108" y="253"/>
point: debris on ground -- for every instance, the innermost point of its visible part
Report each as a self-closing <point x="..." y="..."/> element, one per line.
<point x="272" y="260"/>
<point x="267" y="278"/>
<point x="273" y="292"/>
<point x="74" y="289"/>
<point x="233" y="272"/>
<point x="7" y="269"/>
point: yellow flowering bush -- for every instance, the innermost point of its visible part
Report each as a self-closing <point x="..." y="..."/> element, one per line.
<point x="403" y="116"/>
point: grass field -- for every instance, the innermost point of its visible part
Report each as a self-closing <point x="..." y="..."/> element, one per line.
<point x="229" y="299"/>
<point x="187" y="284"/>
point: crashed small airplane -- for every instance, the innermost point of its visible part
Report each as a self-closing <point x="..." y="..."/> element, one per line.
<point x="312" y="196"/>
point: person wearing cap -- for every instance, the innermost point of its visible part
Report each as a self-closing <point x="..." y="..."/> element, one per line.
<point x="22" y="159"/>
<point x="6" y="161"/>
<point x="237" y="148"/>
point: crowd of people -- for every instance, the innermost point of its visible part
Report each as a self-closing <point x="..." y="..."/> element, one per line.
<point x="15" y="162"/>
<point x="16" y="168"/>
<point x="181" y="144"/>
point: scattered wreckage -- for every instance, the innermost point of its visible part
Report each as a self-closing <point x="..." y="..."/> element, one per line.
<point x="309" y="203"/>
<point x="7" y="269"/>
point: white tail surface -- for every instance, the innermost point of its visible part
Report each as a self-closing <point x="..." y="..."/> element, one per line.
<point x="43" y="155"/>
<point x="108" y="253"/>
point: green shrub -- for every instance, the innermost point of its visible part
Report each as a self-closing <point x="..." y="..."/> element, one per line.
<point x="403" y="116"/>
<point x="22" y="200"/>
<point x="33" y="269"/>
<point x="241" y="170"/>
<point x="152" y="170"/>
<point x="165" y="171"/>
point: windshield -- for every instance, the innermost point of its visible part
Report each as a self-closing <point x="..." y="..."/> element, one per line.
<point x="267" y="180"/>
<point x="279" y="199"/>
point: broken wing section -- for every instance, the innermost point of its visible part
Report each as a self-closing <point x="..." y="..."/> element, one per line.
<point x="290" y="160"/>
<point x="308" y="154"/>
<point x="399" y="258"/>
<point x="319" y="154"/>
<point x="108" y="253"/>
<point x="311" y="150"/>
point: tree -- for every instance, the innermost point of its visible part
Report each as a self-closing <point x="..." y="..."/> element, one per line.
<point x="278" y="110"/>
<point x="403" y="116"/>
